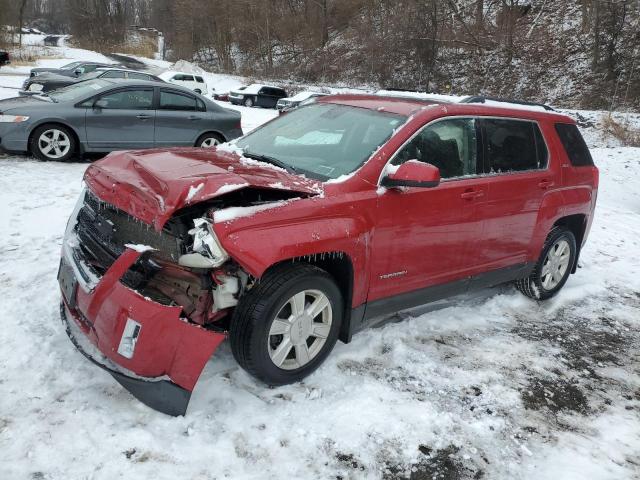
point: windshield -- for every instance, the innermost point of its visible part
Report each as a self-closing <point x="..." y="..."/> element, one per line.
<point x="71" y="65"/>
<point x="78" y="90"/>
<point x="323" y="141"/>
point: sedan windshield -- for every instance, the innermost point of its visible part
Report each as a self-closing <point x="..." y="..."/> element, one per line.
<point x="78" y="90"/>
<point x="323" y="141"/>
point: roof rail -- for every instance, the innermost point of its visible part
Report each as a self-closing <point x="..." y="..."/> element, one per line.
<point x="483" y="99"/>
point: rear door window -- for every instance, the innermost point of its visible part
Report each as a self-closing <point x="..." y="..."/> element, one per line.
<point x="171" y="100"/>
<point x="133" y="99"/>
<point x="139" y="76"/>
<point x="199" y="79"/>
<point x="513" y="146"/>
<point x="574" y="145"/>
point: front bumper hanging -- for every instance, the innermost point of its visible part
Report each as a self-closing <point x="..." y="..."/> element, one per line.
<point x="161" y="361"/>
<point x="161" y="395"/>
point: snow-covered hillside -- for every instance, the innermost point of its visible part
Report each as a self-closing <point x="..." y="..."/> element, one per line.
<point x="490" y="385"/>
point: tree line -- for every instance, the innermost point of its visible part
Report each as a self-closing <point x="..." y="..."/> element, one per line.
<point x="571" y="52"/>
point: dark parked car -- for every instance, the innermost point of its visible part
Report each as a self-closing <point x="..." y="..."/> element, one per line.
<point x="257" y="95"/>
<point x="47" y="82"/>
<point x="102" y="115"/>
<point x="378" y="204"/>
<point x="4" y="58"/>
<point x="74" y="69"/>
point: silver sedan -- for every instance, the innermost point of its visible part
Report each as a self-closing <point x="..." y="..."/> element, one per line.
<point x="105" y="115"/>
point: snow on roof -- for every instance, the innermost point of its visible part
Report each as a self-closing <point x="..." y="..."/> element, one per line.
<point x="170" y="73"/>
<point x="515" y="106"/>
<point x="253" y="88"/>
<point x="301" y="96"/>
<point x="419" y="95"/>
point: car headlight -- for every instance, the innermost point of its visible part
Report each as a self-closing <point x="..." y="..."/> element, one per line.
<point x="207" y="251"/>
<point x="13" y="118"/>
<point x="35" y="87"/>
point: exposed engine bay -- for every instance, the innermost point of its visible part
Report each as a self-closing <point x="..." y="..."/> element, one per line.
<point x="181" y="265"/>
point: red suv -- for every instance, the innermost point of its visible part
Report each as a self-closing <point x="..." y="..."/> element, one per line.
<point x="311" y="228"/>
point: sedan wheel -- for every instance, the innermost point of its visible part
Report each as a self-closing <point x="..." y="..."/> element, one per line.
<point x="300" y="329"/>
<point x="210" y="142"/>
<point x="248" y="102"/>
<point x="53" y="142"/>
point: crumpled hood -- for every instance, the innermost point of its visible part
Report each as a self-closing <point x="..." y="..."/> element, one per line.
<point x="151" y="185"/>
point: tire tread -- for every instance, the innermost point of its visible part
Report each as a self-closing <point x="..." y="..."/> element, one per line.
<point x="251" y="309"/>
<point x="529" y="286"/>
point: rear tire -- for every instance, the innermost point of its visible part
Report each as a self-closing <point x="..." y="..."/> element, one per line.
<point x="209" y="140"/>
<point x="554" y="266"/>
<point x="248" y="102"/>
<point x="286" y="325"/>
<point x="198" y="91"/>
<point x="53" y="142"/>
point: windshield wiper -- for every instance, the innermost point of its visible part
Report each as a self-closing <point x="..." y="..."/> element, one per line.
<point x="271" y="160"/>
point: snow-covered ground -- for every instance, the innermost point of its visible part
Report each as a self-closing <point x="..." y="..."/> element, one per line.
<point x="490" y="385"/>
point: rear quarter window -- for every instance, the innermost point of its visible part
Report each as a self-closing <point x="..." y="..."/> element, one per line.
<point x="574" y="145"/>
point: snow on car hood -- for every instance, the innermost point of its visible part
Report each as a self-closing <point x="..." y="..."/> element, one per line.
<point x="21" y="102"/>
<point x="50" y="76"/>
<point x="151" y="185"/>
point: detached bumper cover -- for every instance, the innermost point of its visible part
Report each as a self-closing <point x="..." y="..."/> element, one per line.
<point x="170" y="353"/>
<point x="161" y="395"/>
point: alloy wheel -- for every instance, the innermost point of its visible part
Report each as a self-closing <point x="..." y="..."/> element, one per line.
<point x="54" y="143"/>
<point x="300" y="329"/>
<point x="210" y="142"/>
<point x="555" y="264"/>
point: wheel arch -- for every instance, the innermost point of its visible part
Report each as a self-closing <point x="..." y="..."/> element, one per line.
<point x="577" y="224"/>
<point x="339" y="265"/>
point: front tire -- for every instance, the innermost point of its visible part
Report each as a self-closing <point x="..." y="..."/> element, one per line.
<point x="53" y="142"/>
<point x="554" y="266"/>
<point x="287" y="323"/>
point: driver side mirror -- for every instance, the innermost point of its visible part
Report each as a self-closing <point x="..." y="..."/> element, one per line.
<point x="77" y="72"/>
<point x="411" y="174"/>
<point x="100" y="104"/>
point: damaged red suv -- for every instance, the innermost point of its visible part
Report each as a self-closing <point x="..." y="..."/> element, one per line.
<point x="311" y="228"/>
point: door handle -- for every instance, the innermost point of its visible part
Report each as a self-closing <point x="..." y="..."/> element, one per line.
<point x="471" y="194"/>
<point x="143" y="116"/>
<point x="544" y="184"/>
<point x="193" y="117"/>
